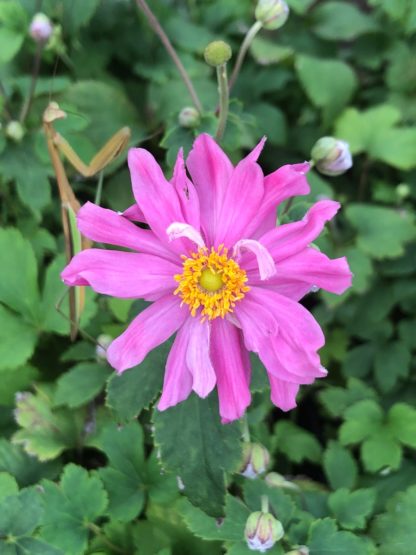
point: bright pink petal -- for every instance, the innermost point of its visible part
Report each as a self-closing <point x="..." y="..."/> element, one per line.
<point x="265" y="262"/>
<point x="211" y="172"/>
<point x="155" y="196"/>
<point x="283" y="394"/>
<point x="177" y="384"/>
<point x="186" y="192"/>
<point x="149" y="329"/>
<point x="286" y="182"/>
<point x="257" y="322"/>
<point x="241" y="203"/>
<point x="232" y="367"/>
<point x="134" y="214"/>
<point x="253" y="156"/>
<point x="280" y="368"/>
<point x="198" y="357"/>
<point x="106" y="226"/>
<point x="126" y="275"/>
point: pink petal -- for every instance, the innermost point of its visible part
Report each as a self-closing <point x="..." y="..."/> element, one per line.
<point x="279" y="368"/>
<point x="293" y="289"/>
<point x="134" y="213"/>
<point x="289" y="239"/>
<point x="283" y="394"/>
<point x="286" y="182"/>
<point x="256" y="321"/>
<point x="149" y="329"/>
<point x="155" y="196"/>
<point x="253" y="156"/>
<point x="177" y="384"/>
<point x="121" y="274"/>
<point x="241" y="203"/>
<point x="186" y="192"/>
<point x="265" y="262"/>
<point x="211" y="172"/>
<point x="106" y="226"/>
<point x="232" y="367"/>
<point x="198" y="356"/>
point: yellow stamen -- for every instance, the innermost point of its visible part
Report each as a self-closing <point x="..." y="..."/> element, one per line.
<point x="211" y="281"/>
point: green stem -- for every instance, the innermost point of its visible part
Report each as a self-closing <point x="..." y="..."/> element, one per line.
<point x="224" y="100"/>
<point x="35" y="73"/>
<point x="99" y="188"/>
<point x="5" y="102"/>
<point x="154" y="23"/>
<point x="246" y="430"/>
<point x="97" y="531"/>
<point x="245" y="45"/>
<point x="264" y="504"/>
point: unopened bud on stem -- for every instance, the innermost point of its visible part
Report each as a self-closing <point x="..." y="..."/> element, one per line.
<point x="262" y="531"/>
<point x="272" y="14"/>
<point x="189" y="117"/>
<point x="15" y="131"/>
<point x="40" y="27"/>
<point x="217" y="53"/>
<point x="256" y="459"/>
<point x="331" y="156"/>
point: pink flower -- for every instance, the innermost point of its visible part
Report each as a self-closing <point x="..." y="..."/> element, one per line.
<point x="218" y="273"/>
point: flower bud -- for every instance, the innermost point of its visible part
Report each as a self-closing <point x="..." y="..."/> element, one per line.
<point x="217" y="53"/>
<point x="189" y="117"/>
<point x="276" y="480"/>
<point x="272" y="14"/>
<point x="300" y="550"/>
<point x="103" y="341"/>
<point x="331" y="156"/>
<point x="15" y="131"/>
<point x="403" y="191"/>
<point x="256" y="459"/>
<point x="262" y="531"/>
<point x="40" y="28"/>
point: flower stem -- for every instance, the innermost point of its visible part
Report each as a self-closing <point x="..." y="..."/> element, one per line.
<point x="246" y="430"/>
<point x="224" y="93"/>
<point x="35" y="73"/>
<point x="154" y="23"/>
<point x="99" y="188"/>
<point x="245" y="45"/>
<point x="97" y="531"/>
<point x="5" y="102"/>
<point x="264" y="504"/>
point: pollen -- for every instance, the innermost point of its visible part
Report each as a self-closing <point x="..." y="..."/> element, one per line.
<point x="211" y="283"/>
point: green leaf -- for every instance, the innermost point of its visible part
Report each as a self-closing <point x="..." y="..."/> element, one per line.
<point x="270" y="121"/>
<point x="8" y="485"/>
<point x="392" y="362"/>
<point x="341" y="21"/>
<point x="352" y="508"/>
<point x="75" y="13"/>
<point x="374" y="131"/>
<point x="380" y="451"/>
<point x="267" y="52"/>
<point x="402" y="423"/>
<point x="296" y="443"/>
<point x="33" y="546"/>
<point x="70" y="508"/>
<point x="329" y="84"/>
<point x="81" y="383"/>
<point x="18" y="284"/>
<point x="358" y="363"/>
<point x="129" y="393"/>
<point x="362" y="420"/>
<point x="325" y="539"/>
<point x="15" y="380"/>
<point x="17" y="339"/>
<point x="45" y="432"/>
<point x="395" y="530"/>
<point x="198" y="448"/>
<point x="20" y="514"/>
<point x="187" y="35"/>
<point x="13" y="29"/>
<point x="123" y="478"/>
<point x="231" y="528"/>
<point x="381" y="232"/>
<point x="340" y="466"/>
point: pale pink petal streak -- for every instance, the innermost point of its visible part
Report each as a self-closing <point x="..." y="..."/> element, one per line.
<point x="198" y="356"/>
<point x="150" y="328"/>
<point x="265" y="262"/>
<point x="178" y="230"/>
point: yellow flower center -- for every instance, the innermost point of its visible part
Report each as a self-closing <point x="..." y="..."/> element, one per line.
<point x="211" y="281"/>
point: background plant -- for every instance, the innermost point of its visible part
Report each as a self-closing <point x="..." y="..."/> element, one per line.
<point x="86" y="465"/>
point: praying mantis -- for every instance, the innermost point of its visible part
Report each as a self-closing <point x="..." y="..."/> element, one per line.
<point x="74" y="241"/>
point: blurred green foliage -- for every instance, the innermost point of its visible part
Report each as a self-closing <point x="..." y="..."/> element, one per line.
<point x="86" y="466"/>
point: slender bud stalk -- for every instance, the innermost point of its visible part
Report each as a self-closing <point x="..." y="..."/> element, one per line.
<point x="224" y="94"/>
<point x="245" y="45"/>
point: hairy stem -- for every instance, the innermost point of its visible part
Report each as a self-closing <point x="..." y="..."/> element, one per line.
<point x="245" y="45"/>
<point x="224" y="100"/>
<point x="35" y="73"/>
<point x="154" y="23"/>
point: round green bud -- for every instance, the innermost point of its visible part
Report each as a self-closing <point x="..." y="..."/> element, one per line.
<point x="262" y="531"/>
<point x="103" y="342"/>
<point x="15" y="131"/>
<point x="403" y="191"/>
<point x="217" y="53"/>
<point x="256" y="459"/>
<point x="189" y="117"/>
<point x="331" y="156"/>
<point x="272" y="14"/>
